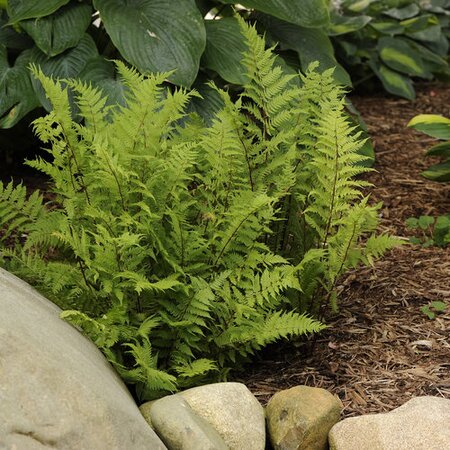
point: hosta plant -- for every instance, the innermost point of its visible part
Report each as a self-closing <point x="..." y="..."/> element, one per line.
<point x="78" y="39"/>
<point x="395" y="40"/>
<point x="181" y="248"/>
<point x="437" y="127"/>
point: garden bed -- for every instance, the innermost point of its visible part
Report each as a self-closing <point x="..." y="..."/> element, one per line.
<point x="381" y="350"/>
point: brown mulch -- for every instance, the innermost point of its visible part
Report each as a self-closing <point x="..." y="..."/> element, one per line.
<point x="381" y="350"/>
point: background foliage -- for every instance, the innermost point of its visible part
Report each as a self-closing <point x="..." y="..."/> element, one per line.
<point x="395" y="40"/>
<point x="78" y="38"/>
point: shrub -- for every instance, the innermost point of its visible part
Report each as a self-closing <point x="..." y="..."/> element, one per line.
<point x="182" y="248"/>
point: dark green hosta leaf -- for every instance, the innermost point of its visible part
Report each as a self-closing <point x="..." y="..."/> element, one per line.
<point x="157" y="35"/>
<point x="432" y="124"/>
<point x="390" y="28"/>
<point x="11" y="38"/>
<point x="208" y="105"/>
<point x="342" y="24"/>
<point x="102" y="73"/>
<point x="66" y="65"/>
<point x="438" y="172"/>
<point x="442" y="149"/>
<point x="393" y="82"/>
<point x="307" y="13"/>
<point x="29" y="9"/>
<point x="311" y="45"/>
<point x="403" y="13"/>
<point x="399" y="55"/>
<point x="224" y="47"/>
<point x="17" y="96"/>
<point x="62" y="30"/>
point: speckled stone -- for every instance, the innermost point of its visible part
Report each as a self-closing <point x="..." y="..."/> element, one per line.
<point x="301" y="417"/>
<point x="422" y="423"/>
<point x="233" y="411"/>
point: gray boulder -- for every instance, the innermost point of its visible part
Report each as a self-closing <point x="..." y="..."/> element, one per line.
<point x="56" y="389"/>
<point x="422" y="423"/>
<point x="301" y="417"/>
<point x="233" y="411"/>
<point x="179" y="427"/>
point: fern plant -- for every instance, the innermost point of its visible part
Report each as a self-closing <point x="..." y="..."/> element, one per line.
<point x="181" y="248"/>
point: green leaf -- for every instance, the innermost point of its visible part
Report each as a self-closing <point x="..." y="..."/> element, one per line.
<point x="208" y="105"/>
<point x="426" y="310"/>
<point x="17" y="96"/>
<point x="12" y="38"/>
<point x="343" y="24"/>
<point x="390" y="28"/>
<point x="412" y="222"/>
<point x="425" y="221"/>
<point x="102" y="73"/>
<point x="441" y="233"/>
<point x="30" y="9"/>
<point x="62" y="30"/>
<point x="438" y="306"/>
<point x="306" y="13"/>
<point x="156" y="35"/>
<point x="361" y="5"/>
<point x="442" y="149"/>
<point x="393" y="82"/>
<point x="66" y="65"/>
<point x="224" y="47"/>
<point x="398" y="55"/>
<point x="438" y="172"/>
<point x="310" y="44"/>
<point x="403" y="13"/>
<point x="432" y="124"/>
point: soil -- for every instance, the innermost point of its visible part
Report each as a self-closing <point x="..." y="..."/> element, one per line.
<point x="380" y="349"/>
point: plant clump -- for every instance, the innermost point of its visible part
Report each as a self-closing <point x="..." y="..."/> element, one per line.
<point x="182" y="248"/>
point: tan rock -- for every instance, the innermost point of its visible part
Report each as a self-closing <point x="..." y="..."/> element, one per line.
<point x="301" y="417"/>
<point x="233" y="411"/>
<point x="56" y="388"/>
<point x="422" y="423"/>
<point x="179" y="427"/>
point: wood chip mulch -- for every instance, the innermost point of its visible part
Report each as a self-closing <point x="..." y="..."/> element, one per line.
<point x="380" y="349"/>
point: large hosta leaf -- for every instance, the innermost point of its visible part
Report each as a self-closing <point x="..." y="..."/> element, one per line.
<point x="66" y="65"/>
<point x="62" y="30"/>
<point x="12" y="38"/>
<point x="102" y="73"/>
<point x="310" y="44"/>
<point x="432" y="124"/>
<point x="29" y="9"/>
<point x="224" y="47"/>
<point x="157" y="35"/>
<point x="438" y="172"/>
<point x="399" y="55"/>
<point x="307" y="13"/>
<point x="393" y="82"/>
<point x="17" y="96"/>
<point x="347" y="24"/>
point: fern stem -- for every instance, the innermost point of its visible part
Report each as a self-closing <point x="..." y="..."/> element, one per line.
<point x="333" y="192"/>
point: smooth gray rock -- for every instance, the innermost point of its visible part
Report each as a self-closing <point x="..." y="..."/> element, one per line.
<point x="56" y="389"/>
<point x="301" y="417"/>
<point x="233" y="411"/>
<point x="422" y="423"/>
<point x="179" y="427"/>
